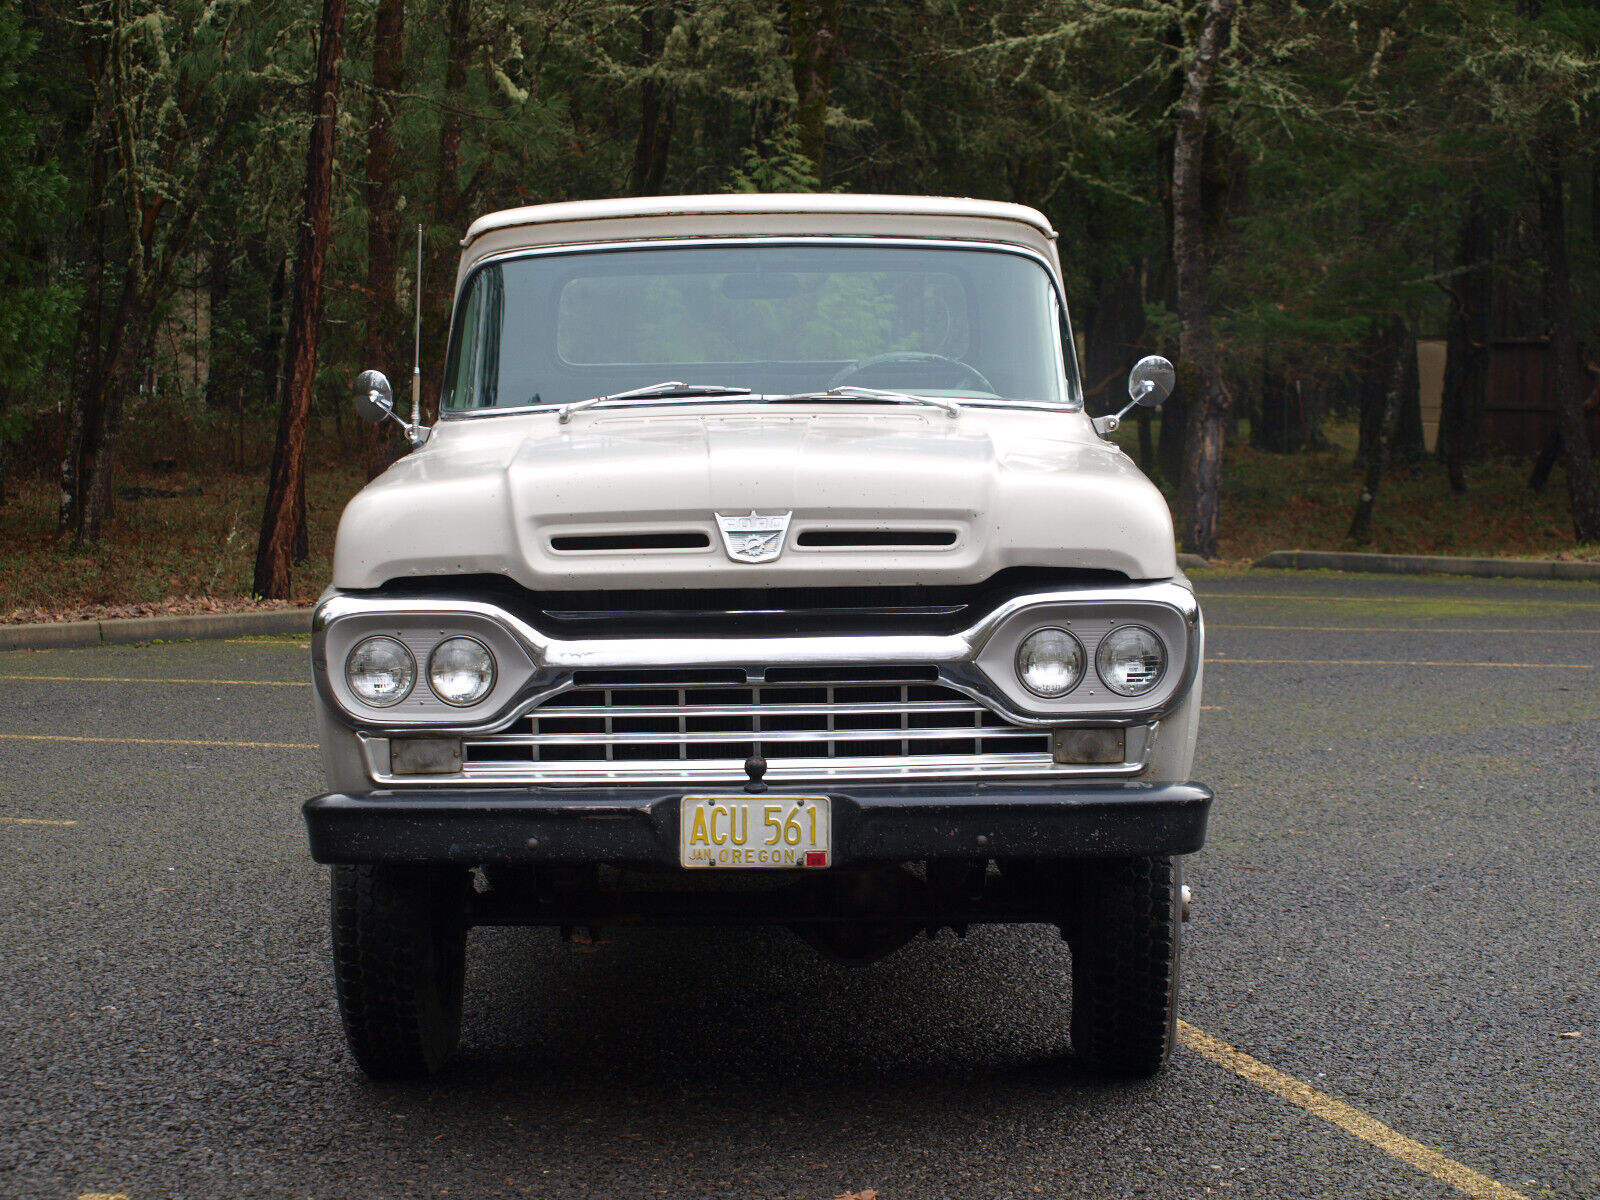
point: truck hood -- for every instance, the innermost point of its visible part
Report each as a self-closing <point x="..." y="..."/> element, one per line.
<point x="631" y="499"/>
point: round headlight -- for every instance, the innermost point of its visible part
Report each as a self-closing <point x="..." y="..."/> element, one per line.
<point x="460" y="671"/>
<point x="380" y="671"/>
<point x="1131" y="660"/>
<point x="1050" y="662"/>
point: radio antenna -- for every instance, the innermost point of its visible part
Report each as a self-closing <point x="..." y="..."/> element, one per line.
<point x="416" y="347"/>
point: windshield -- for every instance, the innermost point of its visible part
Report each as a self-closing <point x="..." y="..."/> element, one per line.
<point x="972" y="324"/>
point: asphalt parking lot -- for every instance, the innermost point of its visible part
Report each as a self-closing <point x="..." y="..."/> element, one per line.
<point x="1389" y="982"/>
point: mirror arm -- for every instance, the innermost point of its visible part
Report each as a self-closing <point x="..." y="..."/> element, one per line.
<point x="1110" y="424"/>
<point x="416" y="433"/>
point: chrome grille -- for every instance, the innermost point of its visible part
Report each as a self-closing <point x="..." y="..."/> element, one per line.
<point x="847" y="722"/>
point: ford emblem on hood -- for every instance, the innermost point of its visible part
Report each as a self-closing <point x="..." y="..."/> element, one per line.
<point x="754" y="539"/>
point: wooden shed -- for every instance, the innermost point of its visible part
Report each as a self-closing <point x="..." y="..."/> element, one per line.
<point x="1521" y="412"/>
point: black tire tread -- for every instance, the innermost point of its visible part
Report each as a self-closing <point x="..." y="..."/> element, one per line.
<point x="1125" y="956"/>
<point x="399" y="950"/>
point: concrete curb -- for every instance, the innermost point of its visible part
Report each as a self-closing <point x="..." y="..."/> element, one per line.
<point x="1426" y="564"/>
<point x="61" y="635"/>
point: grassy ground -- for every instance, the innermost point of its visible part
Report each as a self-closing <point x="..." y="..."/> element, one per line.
<point x="1305" y="501"/>
<point x="196" y="552"/>
<point x="186" y="553"/>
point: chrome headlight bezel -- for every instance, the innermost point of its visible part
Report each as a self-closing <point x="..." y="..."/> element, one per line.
<point x="339" y="626"/>
<point x="1090" y="621"/>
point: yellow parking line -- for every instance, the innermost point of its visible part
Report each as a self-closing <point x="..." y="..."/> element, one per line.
<point x="295" y="683"/>
<point x="1215" y="597"/>
<point x="1352" y="1120"/>
<point x="130" y="741"/>
<point x="1389" y="629"/>
<point x="1393" y="662"/>
<point x="32" y="821"/>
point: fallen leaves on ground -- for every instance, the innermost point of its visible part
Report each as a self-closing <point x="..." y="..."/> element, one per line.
<point x="177" y="606"/>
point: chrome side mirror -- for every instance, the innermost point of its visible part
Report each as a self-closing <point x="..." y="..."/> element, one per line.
<point x="374" y="397"/>
<point x="374" y="402"/>
<point x="1149" y="383"/>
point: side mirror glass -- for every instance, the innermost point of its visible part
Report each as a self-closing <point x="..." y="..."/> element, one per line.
<point x="374" y="398"/>
<point x="1151" y="381"/>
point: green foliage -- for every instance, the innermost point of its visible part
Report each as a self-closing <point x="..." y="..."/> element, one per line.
<point x="1349" y="139"/>
<point x="778" y="166"/>
<point x="36" y="296"/>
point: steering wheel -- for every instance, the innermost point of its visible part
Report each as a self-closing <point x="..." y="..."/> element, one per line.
<point x="922" y="356"/>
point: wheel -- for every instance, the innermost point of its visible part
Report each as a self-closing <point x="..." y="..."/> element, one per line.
<point x="1124" y="939"/>
<point x="399" y="960"/>
<point x="911" y="356"/>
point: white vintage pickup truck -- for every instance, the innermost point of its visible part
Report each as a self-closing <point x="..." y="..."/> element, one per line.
<point x="762" y="567"/>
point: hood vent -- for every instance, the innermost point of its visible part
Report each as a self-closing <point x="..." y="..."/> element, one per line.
<point x="874" y="539"/>
<point x="612" y="543"/>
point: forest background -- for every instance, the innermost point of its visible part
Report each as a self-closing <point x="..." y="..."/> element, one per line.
<point x="207" y="214"/>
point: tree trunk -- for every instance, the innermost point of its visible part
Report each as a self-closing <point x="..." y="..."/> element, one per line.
<point x="1549" y="453"/>
<point x="1410" y="444"/>
<point x="1583" y="488"/>
<point x="121" y="355"/>
<point x="1115" y="328"/>
<point x="1174" y="427"/>
<point x="286" y="494"/>
<point x="1371" y="377"/>
<point x="384" y="337"/>
<point x="1393" y="368"/>
<point x="159" y="221"/>
<point x="1208" y="403"/>
<point x="449" y="202"/>
<point x="5" y="447"/>
<point x="1279" y="426"/>
<point x="302" y="532"/>
<point x="1464" y="399"/>
<point x="814" y="44"/>
<point x="1147" y="441"/>
<point x="86" y="359"/>
<point x="271" y="344"/>
<point x="656" y="109"/>
<point x="220" y="356"/>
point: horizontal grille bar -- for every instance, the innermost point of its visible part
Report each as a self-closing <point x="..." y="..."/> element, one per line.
<point x="653" y="725"/>
<point x="762" y="710"/>
<point x="964" y="733"/>
<point x="786" y="770"/>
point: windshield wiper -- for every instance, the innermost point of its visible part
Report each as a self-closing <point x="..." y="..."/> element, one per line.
<point x="951" y="408"/>
<point x="670" y="387"/>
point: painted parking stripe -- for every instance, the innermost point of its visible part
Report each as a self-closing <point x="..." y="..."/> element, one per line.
<point x="1390" y="629"/>
<point x="1462" y="601"/>
<point x="1352" y="1120"/>
<point x="1391" y="662"/>
<point x="132" y="741"/>
<point x="32" y="821"/>
<point x="294" y="683"/>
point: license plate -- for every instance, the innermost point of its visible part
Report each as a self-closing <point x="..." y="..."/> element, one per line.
<point x="785" y="832"/>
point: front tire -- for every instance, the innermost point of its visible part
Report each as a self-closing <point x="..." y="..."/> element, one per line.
<point x="399" y="958"/>
<point x="1125" y="950"/>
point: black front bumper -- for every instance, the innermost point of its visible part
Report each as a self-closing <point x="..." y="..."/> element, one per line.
<point x="872" y="823"/>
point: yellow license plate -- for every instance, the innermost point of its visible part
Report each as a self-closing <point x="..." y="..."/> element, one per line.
<point x="742" y="831"/>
